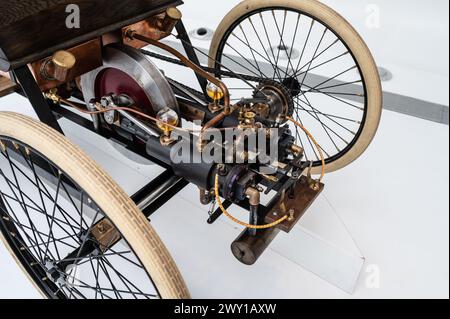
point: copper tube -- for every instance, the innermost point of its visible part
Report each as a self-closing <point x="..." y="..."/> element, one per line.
<point x="82" y="108"/>
<point x="212" y="123"/>
<point x="215" y="120"/>
<point x="226" y="94"/>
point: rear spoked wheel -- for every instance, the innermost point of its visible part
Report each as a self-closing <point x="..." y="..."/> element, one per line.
<point x="70" y="227"/>
<point x="321" y="60"/>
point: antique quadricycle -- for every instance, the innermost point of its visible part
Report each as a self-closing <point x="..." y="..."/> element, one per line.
<point x="292" y="75"/>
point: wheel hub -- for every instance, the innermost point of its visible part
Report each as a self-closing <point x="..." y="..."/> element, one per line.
<point x="280" y="101"/>
<point x="54" y="273"/>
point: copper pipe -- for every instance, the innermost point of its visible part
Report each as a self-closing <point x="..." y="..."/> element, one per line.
<point x="82" y="108"/>
<point x="226" y="94"/>
<point x="212" y="123"/>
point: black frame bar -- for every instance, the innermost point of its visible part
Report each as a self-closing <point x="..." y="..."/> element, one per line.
<point x="183" y="36"/>
<point x="32" y="91"/>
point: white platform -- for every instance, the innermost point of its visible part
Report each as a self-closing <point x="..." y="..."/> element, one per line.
<point x="394" y="200"/>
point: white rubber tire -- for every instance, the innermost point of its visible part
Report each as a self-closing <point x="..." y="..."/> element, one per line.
<point x="354" y="41"/>
<point x="105" y="192"/>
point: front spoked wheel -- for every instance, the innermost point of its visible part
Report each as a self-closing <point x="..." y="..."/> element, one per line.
<point x="322" y="61"/>
<point x="70" y="227"/>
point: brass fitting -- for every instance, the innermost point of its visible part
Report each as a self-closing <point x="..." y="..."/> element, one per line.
<point x="53" y="96"/>
<point x="166" y="139"/>
<point x="313" y="184"/>
<point x="205" y="196"/>
<point x="171" y="18"/>
<point x="254" y="196"/>
<point x="291" y="215"/>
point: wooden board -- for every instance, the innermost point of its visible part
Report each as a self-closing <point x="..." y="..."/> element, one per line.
<point x="6" y="86"/>
<point x="31" y="30"/>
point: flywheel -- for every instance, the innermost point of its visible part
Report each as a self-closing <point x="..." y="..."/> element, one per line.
<point x="126" y="71"/>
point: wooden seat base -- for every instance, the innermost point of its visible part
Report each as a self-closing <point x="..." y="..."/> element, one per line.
<point x="31" y="30"/>
<point x="6" y="86"/>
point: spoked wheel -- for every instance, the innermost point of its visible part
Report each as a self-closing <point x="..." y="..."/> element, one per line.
<point x="70" y="227"/>
<point x="321" y="60"/>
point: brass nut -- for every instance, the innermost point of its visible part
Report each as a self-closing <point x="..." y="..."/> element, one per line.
<point x="101" y="229"/>
<point x="315" y="185"/>
<point x="215" y="108"/>
<point x="291" y="215"/>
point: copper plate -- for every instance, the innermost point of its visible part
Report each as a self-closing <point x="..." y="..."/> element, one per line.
<point x="88" y="57"/>
<point x="304" y="197"/>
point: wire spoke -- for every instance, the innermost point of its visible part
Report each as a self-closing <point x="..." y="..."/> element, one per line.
<point x="325" y="129"/>
<point x="262" y="45"/>
<point x="333" y="97"/>
<point x="41" y="243"/>
<point x="296" y="74"/>
<point x="330" y="129"/>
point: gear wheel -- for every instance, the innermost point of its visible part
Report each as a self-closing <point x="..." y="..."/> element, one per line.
<point x="281" y="99"/>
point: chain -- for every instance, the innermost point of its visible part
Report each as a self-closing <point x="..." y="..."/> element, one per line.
<point x="216" y="72"/>
<point x="212" y="70"/>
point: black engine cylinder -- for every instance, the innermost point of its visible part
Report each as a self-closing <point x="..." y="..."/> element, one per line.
<point x="192" y="167"/>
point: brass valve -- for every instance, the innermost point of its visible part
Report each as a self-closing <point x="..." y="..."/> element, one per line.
<point x="247" y="120"/>
<point x="167" y="121"/>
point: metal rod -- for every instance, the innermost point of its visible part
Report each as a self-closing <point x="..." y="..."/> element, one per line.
<point x="158" y="192"/>
<point x="191" y="95"/>
<point x="147" y="129"/>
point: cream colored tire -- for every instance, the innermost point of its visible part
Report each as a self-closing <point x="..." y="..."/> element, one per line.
<point x="109" y="197"/>
<point x="352" y="39"/>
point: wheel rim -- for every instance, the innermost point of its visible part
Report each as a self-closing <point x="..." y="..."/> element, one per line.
<point x="268" y="42"/>
<point x="53" y="232"/>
